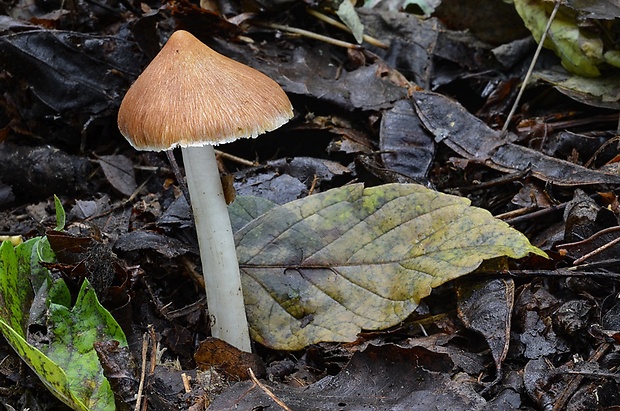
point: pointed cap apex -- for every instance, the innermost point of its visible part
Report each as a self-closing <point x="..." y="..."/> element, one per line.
<point x="190" y="95"/>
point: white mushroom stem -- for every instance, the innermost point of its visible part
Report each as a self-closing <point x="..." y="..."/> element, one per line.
<point x="220" y="265"/>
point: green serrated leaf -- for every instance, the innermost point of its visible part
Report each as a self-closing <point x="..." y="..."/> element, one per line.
<point x="349" y="17"/>
<point x="327" y="266"/>
<point x="61" y="217"/>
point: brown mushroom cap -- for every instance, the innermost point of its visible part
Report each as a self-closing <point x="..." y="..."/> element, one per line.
<point x="190" y="95"/>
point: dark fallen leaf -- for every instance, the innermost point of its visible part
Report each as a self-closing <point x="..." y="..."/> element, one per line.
<point x="270" y="185"/>
<point x="405" y="145"/>
<point x="306" y="169"/>
<point x="454" y="126"/>
<point x="142" y="240"/>
<point x="382" y="378"/>
<point x="573" y="316"/>
<point x="537" y="378"/>
<point x="119" y="172"/>
<point x="69" y="70"/>
<point x="425" y="49"/>
<point x="285" y="180"/>
<point x="309" y="71"/>
<point x="121" y="371"/>
<point x="65" y="245"/>
<point x="177" y="216"/>
<point x="467" y="361"/>
<point x="39" y="172"/>
<point x="486" y="307"/>
<point x="73" y="74"/>
<point x="228" y="360"/>
<point x="566" y="144"/>
<point x="85" y="209"/>
<point x="600" y="9"/>
<point x="603" y="91"/>
<point x="534" y="336"/>
<point x="589" y="227"/>
<point x="492" y="22"/>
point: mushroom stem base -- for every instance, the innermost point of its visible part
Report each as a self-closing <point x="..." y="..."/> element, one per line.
<point x="220" y="265"/>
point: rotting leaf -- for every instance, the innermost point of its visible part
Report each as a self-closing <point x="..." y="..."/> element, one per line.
<point x="309" y="71"/>
<point x="227" y="359"/>
<point x="119" y="172"/>
<point x="379" y="378"/>
<point x="460" y="130"/>
<point x="327" y="266"/>
<point x="486" y="307"/>
<point x="406" y="146"/>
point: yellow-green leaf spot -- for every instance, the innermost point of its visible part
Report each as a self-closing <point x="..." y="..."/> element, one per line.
<point x="327" y="266"/>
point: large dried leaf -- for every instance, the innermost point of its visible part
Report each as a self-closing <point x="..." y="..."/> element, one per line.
<point x="327" y="266"/>
<point x="451" y="124"/>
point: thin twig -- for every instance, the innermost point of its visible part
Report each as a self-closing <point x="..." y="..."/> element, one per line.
<point x="530" y="69"/>
<point x="145" y="346"/>
<point x="592" y="237"/>
<point x="368" y="39"/>
<point x="236" y="159"/>
<point x="267" y="391"/>
<point x="534" y="214"/>
<point x="597" y="251"/>
<point x="310" y="35"/>
<point x="177" y="174"/>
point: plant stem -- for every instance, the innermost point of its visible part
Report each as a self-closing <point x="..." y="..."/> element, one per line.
<point x="217" y="247"/>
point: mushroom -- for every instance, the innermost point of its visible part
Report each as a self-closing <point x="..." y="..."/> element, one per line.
<point x="191" y="96"/>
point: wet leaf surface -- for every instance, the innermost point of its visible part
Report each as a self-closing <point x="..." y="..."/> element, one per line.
<point x="360" y="117"/>
<point x="119" y="172"/>
<point x="486" y="307"/>
<point x="325" y="267"/>
<point x="452" y="125"/>
<point x="406" y="146"/>
<point x="411" y="379"/>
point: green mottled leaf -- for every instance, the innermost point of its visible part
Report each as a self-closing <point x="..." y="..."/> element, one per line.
<point x="41" y="252"/>
<point x="65" y="360"/>
<point x="73" y="332"/>
<point x="579" y="50"/>
<point x="327" y="266"/>
<point x="15" y="291"/>
<point x="52" y="376"/>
